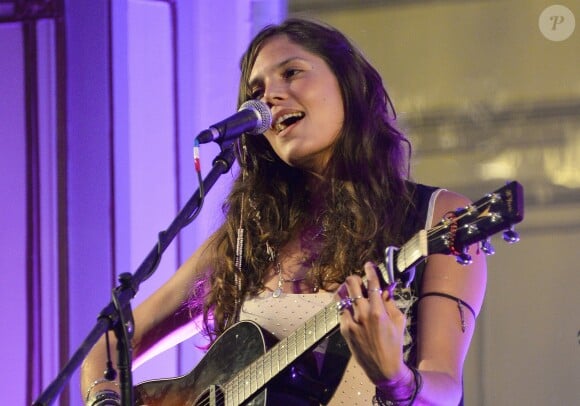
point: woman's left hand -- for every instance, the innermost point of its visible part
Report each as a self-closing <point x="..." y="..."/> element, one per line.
<point x="374" y="328"/>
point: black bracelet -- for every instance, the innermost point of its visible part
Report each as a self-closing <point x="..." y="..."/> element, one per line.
<point x="418" y="383"/>
<point x="380" y="399"/>
<point x="107" y="398"/>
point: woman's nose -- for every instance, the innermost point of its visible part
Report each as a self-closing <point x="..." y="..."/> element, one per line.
<point x="274" y="92"/>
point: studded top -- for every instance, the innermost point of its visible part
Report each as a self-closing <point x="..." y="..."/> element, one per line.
<point x="284" y="314"/>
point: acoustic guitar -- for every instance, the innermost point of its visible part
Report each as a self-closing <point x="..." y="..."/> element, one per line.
<point x="247" y="366"/>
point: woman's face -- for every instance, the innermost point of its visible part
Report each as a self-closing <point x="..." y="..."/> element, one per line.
<point x="307" y="106"/>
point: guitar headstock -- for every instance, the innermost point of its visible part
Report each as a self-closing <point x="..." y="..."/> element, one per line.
<point x="497" y="211"/>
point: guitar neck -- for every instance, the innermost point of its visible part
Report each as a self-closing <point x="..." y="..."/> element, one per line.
<point x="257" y="374"/>
<point x="412" y="252"/>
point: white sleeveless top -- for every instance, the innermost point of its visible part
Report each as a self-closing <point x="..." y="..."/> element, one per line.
<point x="284" y="314"/>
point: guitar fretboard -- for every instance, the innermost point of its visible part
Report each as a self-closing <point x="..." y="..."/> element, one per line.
<point x="414" y="250"/>
<point x="256" y="375"/>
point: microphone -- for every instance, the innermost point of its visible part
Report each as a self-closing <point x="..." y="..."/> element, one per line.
<point x="254" y="117"/>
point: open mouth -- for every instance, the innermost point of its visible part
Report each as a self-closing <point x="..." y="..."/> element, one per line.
<point x="287" y="120"/>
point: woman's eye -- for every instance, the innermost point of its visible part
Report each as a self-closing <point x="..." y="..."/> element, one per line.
<point x="256" y="93"/>
<point x="288" y="73"/>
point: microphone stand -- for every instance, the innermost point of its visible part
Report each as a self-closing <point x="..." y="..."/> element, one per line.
<point x="117" y="315"/>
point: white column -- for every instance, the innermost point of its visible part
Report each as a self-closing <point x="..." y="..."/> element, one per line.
<point x="13" y="212"/>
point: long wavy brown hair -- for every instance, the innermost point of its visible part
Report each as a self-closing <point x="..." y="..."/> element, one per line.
<point x="363" y="199"/>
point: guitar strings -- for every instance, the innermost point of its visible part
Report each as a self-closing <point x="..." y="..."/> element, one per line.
<point x="469" y="211"/>
<point x="287" y="351"/>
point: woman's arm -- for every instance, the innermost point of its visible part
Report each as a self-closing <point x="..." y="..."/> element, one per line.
<point x="162" y="321"/>
<point x="374" y="329"/>
<point x="446" y="327"/>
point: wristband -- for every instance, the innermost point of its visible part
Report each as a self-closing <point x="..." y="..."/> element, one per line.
<point x="106" y="397"/>
<point x="381" y="399"/>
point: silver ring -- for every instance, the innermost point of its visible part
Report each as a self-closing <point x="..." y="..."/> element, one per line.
<point x="344" y="303"/>
<point x="354" y="299"/>
<point x="378" y="290"/>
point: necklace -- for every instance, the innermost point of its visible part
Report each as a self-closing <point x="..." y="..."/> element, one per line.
<point x="281" y="281"/>
<point x="306" y="239"/>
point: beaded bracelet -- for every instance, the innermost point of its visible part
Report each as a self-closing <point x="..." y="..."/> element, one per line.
<point x="98" y="382"/>
<point x="106" y="397"/>
<point x="380" y="398"/>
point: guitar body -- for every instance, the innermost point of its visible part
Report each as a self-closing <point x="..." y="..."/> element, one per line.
<point x="239" y="346"/>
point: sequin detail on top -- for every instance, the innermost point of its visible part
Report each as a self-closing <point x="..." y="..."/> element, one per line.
<point x="284" y="314"/>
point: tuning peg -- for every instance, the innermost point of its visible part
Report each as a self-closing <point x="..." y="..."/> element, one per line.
<point x="487" y="247"/>
<point x="463" y="258"/>
<point x="511" y="235"/>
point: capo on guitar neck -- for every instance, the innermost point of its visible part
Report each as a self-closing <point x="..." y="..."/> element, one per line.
<point x="403" y="260"/>
<point x="406" y="276"/>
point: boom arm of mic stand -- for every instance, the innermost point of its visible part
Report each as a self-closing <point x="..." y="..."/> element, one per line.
<point x="109" y="317"/>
